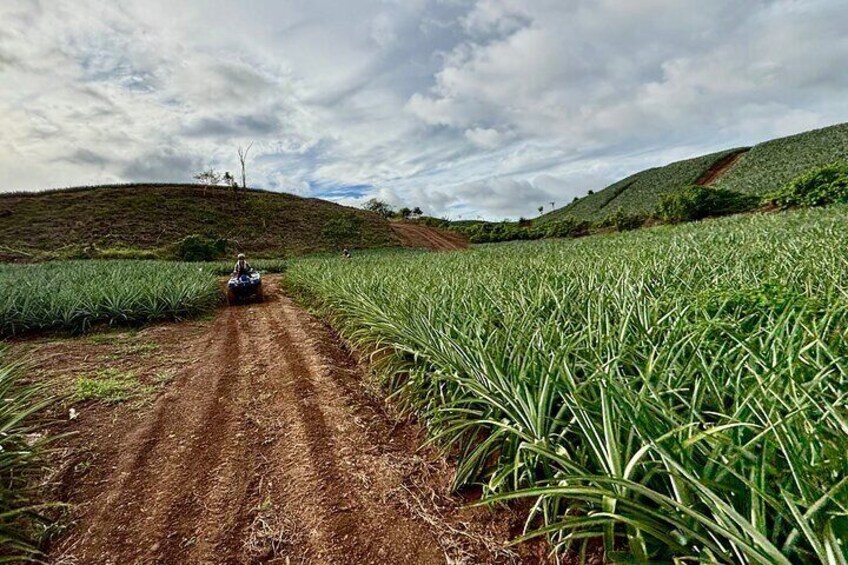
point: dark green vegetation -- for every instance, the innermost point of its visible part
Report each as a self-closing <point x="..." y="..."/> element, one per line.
<point x="21" y="444"/>
<point x="759" y="172"/>
<point x="819" y="187"/>
<point x="698" y="202"/>
<point x="75" y="295"/>
<point x="674" y="392"/>
<point x="150" y="221"/>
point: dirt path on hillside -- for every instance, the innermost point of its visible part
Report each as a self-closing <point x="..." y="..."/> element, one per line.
<point x="265" y="448"/>
<point x="720" y="168"/>
<point x="426" y="237"/>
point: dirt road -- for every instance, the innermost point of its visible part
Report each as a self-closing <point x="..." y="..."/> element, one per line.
<point x="264" y="449"/>
<point x="418" y="235"/>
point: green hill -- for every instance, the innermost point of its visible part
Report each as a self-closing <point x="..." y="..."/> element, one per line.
<point x="760" y="170"/>
<point x="139" y="220"/>
<point x="771" y="165"/>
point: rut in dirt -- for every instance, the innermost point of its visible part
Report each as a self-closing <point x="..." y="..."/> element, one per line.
<point x="263" y="451"/>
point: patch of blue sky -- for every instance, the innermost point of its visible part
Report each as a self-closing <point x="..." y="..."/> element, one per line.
<point x="334" y="191"/>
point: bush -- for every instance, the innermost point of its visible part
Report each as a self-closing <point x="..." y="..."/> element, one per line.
<point x="625" y="222"/>
<point x="697" y="202"/>
<point x="567" y="227"/>
<point x="819" y="187"/>
<point x="436" y="223"/>
<point x="200" y="248"/>
<point x="502" y="231"/>
<point x="379" y="207"/>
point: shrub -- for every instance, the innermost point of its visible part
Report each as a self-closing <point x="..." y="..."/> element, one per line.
<point x="567" y="227"/>
<point x="625" y="222"/>
<point x="819" y="187"/>
<point x="379" y="207"/>
<point x="437" y="223"/>
<point x="488" y="232"/>
<point x="697" y="202"/>
<point x="200" y="248"/>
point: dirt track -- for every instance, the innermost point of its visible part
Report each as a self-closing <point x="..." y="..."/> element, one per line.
<point x="264" y="449"/>
<point x="716" y="171"/>
<point x="418" y="235"/>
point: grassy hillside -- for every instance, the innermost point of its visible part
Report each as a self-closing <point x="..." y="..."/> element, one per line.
<point x="765" y="168"/>
<point x="153" y="217"/>
<point x="771" y="165"/>
<point x="639" y="193"/>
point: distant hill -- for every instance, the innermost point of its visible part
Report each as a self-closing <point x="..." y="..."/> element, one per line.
<point x="771" y="165"/>
<point x="128" y="219"/>
<point x="758" y="170"/>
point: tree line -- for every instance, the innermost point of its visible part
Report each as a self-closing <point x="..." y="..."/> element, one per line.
<point x="387" y="211"/>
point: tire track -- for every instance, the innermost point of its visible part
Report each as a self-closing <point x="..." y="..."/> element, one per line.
<point x="263" y="451"/>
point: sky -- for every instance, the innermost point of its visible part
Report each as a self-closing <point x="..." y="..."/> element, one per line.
<point x="465" y="108"/>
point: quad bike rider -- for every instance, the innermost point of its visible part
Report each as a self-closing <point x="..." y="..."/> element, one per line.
<point x="245" y="282"/>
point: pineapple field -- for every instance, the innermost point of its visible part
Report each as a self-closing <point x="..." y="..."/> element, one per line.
<point x="677" y="393"/>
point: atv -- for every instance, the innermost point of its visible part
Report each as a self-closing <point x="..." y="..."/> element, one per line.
<point x="245" y="287"/>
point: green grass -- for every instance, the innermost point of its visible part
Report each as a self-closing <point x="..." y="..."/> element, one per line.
<point x="22" y="442"/>
<point x="675" y="392"/>
<point x="109" y="385"/>
<point x="76" y="295"/>
<point x="771" y="165"/>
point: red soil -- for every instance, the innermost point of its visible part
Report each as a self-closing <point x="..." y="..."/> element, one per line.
<point x="419" y="235"/>
<point x="265" y="448"/>
<point x="721" y="167"/>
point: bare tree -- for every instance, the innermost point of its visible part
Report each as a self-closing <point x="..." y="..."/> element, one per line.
<point x="541" y="209"/>
<point x="242" y="153"/>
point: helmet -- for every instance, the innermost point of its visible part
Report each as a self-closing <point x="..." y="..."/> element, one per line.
<point x="241" y="255"/>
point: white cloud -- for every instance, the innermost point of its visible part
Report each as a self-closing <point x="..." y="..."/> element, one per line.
<point x="488" y="138"/>
<point x="472" y="107"/>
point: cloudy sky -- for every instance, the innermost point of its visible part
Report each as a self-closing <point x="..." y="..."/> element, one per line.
<point x="465" y="108"/>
